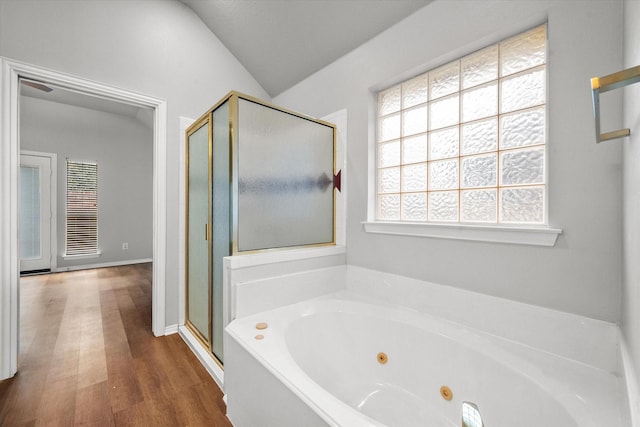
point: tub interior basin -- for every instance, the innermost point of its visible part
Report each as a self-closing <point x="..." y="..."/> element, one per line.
<point x="392" y="371"/>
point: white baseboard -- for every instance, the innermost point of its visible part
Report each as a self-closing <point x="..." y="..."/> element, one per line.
<point x="203" y="356"/>
<point x="171" y="329"/>
<point x="101" y="265"/>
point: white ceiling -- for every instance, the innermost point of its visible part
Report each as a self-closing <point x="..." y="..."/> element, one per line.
<point x="69" y="97"/>
<point x="281" y="42"/>
<point x="63" y="95"/>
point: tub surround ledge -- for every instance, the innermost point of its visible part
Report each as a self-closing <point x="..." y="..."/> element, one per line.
<point x="589" y="341"/>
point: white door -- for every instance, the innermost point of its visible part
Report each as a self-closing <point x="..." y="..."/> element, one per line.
<point x="35" y="213"/>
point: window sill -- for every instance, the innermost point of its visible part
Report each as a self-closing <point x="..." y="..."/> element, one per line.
<point x="536" y="236"/>
<point x="83" y="256"/>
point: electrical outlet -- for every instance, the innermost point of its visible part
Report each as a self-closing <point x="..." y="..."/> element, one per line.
<point x="125" y="246"/>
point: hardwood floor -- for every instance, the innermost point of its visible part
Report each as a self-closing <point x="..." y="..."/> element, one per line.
<point x="88" y="358"/>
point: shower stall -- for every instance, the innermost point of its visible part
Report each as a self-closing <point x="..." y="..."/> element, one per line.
<point x="259" y="178"/>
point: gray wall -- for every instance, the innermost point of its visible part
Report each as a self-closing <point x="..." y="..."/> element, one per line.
<point x="582" y="273"/>
<point x="155" y="47"/>
<point x="123" y="148"/>
<point x="631" y="183"/>
<point x="162" y="49"/>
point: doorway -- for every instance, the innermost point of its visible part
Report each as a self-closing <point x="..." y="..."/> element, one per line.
<point x="37" y="226"/>
<point x="11" y="72"/>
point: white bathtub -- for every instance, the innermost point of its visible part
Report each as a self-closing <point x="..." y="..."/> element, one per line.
<point x="317" y="365"/>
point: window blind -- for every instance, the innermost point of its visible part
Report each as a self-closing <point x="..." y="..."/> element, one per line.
<point x="82" y="208"/>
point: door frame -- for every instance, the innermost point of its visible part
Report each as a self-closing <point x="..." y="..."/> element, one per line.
<point x="10" y="73"/>
<point x="53" y="188"/>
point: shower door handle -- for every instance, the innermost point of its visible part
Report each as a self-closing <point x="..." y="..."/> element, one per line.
<point x="206" y="231"/>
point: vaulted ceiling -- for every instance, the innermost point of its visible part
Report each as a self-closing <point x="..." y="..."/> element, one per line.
<point x="281" y="42"/>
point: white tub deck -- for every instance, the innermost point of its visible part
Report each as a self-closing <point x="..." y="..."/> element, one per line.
<point x="286" y="379"/>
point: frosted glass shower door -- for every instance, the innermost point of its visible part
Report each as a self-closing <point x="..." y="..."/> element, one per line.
<point x="285" y="179"/>
<point x="221" y="232"/>
<point x="198" y="258"/>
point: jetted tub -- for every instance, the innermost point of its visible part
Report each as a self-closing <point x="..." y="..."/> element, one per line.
<point x="340" y="360"/>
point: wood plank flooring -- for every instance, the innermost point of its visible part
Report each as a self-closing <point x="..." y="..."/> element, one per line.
<point x="88" y="358"/>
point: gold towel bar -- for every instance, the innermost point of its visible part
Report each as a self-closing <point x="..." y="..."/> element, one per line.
<point x="605" y="84"/>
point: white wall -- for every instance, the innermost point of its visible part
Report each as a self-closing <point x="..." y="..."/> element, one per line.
<point x="123" y="148"/>
<point x="630" y="323"/>
<point x="159" y="48"/>
<point x="582" y="273"/>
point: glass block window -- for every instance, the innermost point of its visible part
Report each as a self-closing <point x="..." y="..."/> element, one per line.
<point x="465" y="142"/>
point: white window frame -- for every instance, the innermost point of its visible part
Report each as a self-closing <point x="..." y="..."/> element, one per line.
<point x="93" y="254"/>
<point x="538" y="234"/>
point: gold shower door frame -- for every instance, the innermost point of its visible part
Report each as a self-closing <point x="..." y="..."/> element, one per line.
<point x="234" y="120"/>
<point x="206" y="341"/>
